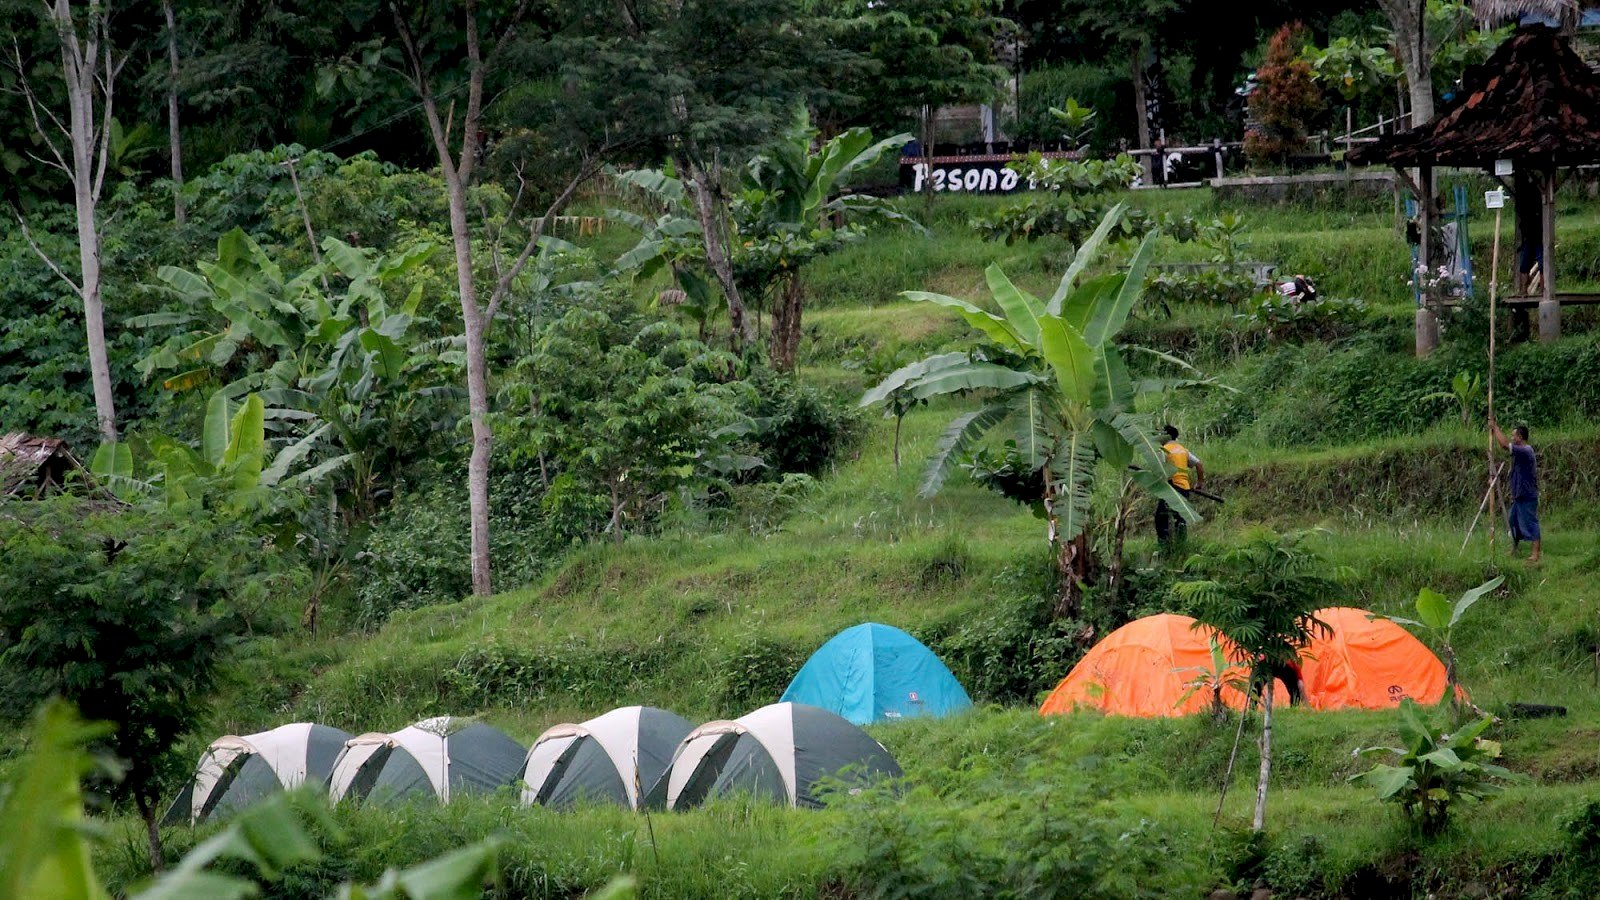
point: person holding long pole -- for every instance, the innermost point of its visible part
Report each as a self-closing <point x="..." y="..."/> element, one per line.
<point x="1524" y="515"/>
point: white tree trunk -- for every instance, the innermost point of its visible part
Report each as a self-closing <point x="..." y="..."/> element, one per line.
<point x="1260" y="821"/>
<point x="80" y="59"/>
<point x="174" y="136"/>
<point x="477" y="386"/>
<point x="1416" y="55"/>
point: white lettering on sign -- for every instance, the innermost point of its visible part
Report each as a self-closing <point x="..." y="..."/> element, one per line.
<point x="963" y="179"/>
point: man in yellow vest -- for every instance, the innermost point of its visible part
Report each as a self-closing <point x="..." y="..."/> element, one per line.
<point x="1187" y="475"/>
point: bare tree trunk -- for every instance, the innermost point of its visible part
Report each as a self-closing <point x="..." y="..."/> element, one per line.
<point x="705" y="204"/>
<point x="784" y="348"/>
<point x="898" y="421"/>
<point x="174" y="136"/>
<point x="1259" y="823"/>
<point x="1141" y="111"/>
<point x="477" y="387"/>
<point x="1406" y="18"/>
<point x="81" y="60"/>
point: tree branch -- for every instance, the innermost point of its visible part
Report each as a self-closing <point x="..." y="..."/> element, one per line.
<point x="34" y="106"/>
<point x="28" y="236"/>
<point x="587" y="169"/>
<point x="107" y="93"/>
<point x="449" y="167"/>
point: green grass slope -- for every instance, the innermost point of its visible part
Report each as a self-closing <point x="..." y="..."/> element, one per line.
<point x="713" y="622"/>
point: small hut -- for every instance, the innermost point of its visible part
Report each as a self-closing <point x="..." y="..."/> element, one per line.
<point x="1535" y="103"/>
<point x="31" y="466"/>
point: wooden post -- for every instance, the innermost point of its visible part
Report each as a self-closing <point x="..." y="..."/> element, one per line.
<point x="1494" y="295"/>
<point x="1549" y="309"/>
<point x="1425" y="217"/>
<point x="1427" y="324"/>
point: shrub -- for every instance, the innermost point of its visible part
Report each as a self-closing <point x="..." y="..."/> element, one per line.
<point x="797" y="427"/>
<point x="754" y="672"/>
<point x="417" y="550"/>
<point x="1042" y="840"/>
<point x="128" y="614"/>
<point x="1284" y="101"/>
<point x="1435" y="769"/>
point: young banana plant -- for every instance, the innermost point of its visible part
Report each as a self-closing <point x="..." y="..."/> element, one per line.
<point x="1052" y="372"/>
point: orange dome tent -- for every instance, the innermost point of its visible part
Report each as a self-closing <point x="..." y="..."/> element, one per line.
<point x="1143" y="669"/>
<point x="1368" y="664"/>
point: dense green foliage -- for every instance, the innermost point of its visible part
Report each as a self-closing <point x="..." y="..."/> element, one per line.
<point x="128" y="614"/>
<point x="681" y="524"/>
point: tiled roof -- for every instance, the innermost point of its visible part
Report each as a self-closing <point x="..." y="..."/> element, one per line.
<point x="1535" y="100"/>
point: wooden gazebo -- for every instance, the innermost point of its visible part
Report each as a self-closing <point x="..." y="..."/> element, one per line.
<point x="1536" y="103"/>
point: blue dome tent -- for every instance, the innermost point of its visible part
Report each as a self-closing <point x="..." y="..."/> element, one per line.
<point x="874" y="672"/>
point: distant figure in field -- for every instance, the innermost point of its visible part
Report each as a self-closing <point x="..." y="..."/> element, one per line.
<point x="1188" y="474"/>
<point x="1524" y="517"/>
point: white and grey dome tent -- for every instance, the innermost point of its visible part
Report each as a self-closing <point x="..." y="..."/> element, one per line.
<point x="439" y="757"/>
<point x="613" y="758"/>
<point x="236" y="771"/>
<point x="780" y="752"/>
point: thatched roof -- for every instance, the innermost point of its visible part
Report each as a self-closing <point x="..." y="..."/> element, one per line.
<point x="30" y="464"/>
<point x="1534" y="101"/>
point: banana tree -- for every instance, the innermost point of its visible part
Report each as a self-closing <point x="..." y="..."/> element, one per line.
<point x="241" y="315"/>
<point x="1054" y="379"/>
<point x="792" y="210"/>
<point x="233" y="467"/>
<point x="342" y="371"/>
<point x="670" y="240"/>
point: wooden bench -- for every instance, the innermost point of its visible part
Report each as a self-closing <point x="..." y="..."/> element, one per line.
<point x="1563" y="299"/>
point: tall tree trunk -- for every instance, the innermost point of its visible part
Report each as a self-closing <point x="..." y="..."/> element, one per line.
<point x="1259" y="823"/>
<point x="80" y="61"/>
<point x="477" y="385"/>
<point x="1141" y="110"/>
<point x="1406" y="19"/>
<point x="174" y="136"/>
<point x="784" y="347"/>
<point x="705" y="205"/>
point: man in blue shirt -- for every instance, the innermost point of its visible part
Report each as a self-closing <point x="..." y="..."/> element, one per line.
<point x="1524" y="487"/>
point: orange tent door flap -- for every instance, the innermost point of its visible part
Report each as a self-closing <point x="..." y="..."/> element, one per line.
<point x="1368" y="664"/>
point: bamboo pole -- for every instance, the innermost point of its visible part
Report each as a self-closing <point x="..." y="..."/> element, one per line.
<point x="1494" y="296"/>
